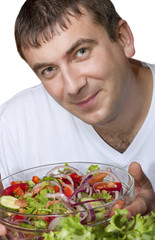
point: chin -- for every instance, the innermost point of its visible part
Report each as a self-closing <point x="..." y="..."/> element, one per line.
<point x="92" y="120"/>
<point x="98" y="117"/>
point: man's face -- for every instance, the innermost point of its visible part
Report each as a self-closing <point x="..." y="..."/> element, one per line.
<point x="83" y="70"/>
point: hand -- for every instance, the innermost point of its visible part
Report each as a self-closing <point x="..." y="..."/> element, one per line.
<point x="144" y="193"/>
<point x="3" y="230"/>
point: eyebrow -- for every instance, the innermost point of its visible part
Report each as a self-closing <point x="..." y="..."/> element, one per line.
<point x="38" y="66"/>
<point x="80" y="42"/>
<point x="75" y="45"/>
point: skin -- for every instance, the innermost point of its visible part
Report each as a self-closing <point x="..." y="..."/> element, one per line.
<point x="145" y="197"/>
<point x="93" y="93"/>
<point x="111" y="95"/>
<point x="3" y="230"/>
<point x="108" y="95"/>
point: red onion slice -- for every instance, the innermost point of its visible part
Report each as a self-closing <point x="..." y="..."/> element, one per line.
<point x="53" y="223"/>
<point x="91" y="191"/>
<point x="37" y="185"/>
<point x="91" y="217"/>
<point x="55" y="183"/>
<point x="57" y="196"/>
<point x="51" y="183"/>
<point x="110" y="174"/>
<point x="81" y="187"/>
<point x="67" y="205"/>
<point x="83" y="214"/>
<point x="63" y="166"/>
<point x="64" y="176"/>
<point x="71" y="188"/>
<point x="88" y="201"/>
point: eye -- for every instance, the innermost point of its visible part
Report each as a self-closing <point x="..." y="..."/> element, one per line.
<point x="82" y="52"/>
<point x="48" y="71"/>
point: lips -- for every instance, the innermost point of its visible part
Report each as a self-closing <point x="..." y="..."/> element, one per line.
<point x="87" y="102"/>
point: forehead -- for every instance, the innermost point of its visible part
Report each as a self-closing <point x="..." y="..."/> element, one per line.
<point x="82" y="27"/>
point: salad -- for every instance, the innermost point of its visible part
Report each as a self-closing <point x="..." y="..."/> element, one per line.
<point x="64" y="191"/>
<point x="119" y="227"/>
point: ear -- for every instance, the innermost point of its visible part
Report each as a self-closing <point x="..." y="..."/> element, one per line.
<point x="125" y="38"/>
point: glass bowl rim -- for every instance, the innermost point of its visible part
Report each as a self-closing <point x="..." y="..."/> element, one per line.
<point x="76" y="212"/>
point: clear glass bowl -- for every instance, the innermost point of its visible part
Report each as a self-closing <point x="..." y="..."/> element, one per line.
<point x="17" y="232"/>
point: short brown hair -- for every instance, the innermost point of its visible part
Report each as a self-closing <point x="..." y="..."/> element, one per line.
<point x="38" y="16"/>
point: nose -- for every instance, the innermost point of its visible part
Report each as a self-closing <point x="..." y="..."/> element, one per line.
<point x="74" y="81"/>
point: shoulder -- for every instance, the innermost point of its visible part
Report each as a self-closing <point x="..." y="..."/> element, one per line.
<point x="27" y="99"/>
<point x="24" y="95"/>
<point x="152" y="67"/>
<point x="31" y="106"/>
<point x="28" y="107"/>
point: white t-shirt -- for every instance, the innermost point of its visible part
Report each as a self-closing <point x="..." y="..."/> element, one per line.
<point x="35" y="130"/>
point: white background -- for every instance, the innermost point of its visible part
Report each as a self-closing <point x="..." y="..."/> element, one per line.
<point x="15" y="74"/>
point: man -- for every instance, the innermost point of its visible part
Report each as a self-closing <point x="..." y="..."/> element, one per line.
<point x="95" y="103"/>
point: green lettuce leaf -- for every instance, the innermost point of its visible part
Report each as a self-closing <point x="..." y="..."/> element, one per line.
<point x="137" y="228"/>
<point x="71" y="229"/>
<point x="120" y="227"/>
<point x="93" y="168"/>
<point x="103" y="195"/>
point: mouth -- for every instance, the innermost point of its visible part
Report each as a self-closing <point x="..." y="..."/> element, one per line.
<point x="88" y="101"/>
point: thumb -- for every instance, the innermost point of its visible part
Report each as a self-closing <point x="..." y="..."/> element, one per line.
<point x="140" y="178"/>
<point x="143" y="191"/>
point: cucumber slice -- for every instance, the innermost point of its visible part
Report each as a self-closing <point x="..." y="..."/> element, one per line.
<point x="9" y="202"/>
<point x="92" y="204"/>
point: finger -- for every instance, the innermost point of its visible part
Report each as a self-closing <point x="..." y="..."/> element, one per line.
<point x="138" y="206"/>
<point x="3" y="230"/>
<point x="140" y="178"/>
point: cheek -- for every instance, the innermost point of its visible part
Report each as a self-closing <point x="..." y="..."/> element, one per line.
<point x="54" y="88"/>
<point x="101" y="65"/>
<point x="95" y="68"/>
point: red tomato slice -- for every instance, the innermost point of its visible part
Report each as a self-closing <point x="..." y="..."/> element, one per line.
<point x="20" y="192"/>
<point x="119" y="204"/>
<point x="98" y="178"/>
<point x="36" y="179"/>
<point x="17" y="217"/>
<point x="67" y="191"/>
<point x="108" y="186"/>
<point x="15" y="182"/>
<point x="10" y="190"/>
